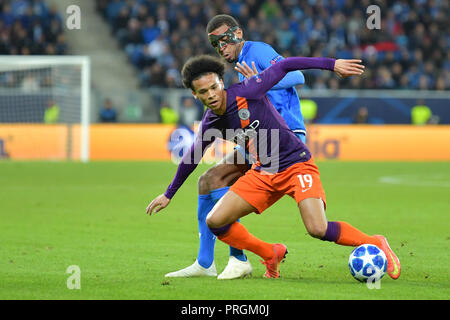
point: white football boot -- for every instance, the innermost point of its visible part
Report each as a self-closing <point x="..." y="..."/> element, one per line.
<point x="236" y="269"/>
<point x="194" y="270"/>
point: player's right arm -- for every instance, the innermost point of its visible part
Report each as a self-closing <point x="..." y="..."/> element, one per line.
<point x="157" y="204"/>
<point x="187" y="165"/>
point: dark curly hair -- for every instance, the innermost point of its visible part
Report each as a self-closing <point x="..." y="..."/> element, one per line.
<point x="198" y="66"/>
<point x="220" y="20"/>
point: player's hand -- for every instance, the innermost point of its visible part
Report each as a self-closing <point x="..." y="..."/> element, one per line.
<point x="159" y="203"/>
<point x="348" y="67"/>
<point x="245" y="70"/>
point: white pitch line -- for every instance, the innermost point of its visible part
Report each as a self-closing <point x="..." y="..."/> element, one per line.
<point x="415" y="181"/>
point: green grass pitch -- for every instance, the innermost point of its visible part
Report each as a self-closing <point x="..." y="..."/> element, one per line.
<point x="57" y="214"/>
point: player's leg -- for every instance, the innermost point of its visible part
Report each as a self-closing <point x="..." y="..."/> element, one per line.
<point x="204" y="264"/>
<point x="306" y="188"/>
<point x="249" y="194"/>
<point x="215" y="182"/>
<point x="222" y="221"/>
<point x="218" y="180"/>
<point x="312" y="211"/>
<point x="302" y="182"/>
<point x="211" y="187"/>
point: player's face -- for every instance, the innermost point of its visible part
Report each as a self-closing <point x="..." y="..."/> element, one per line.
<point x="228" y="51"/>
<point x="210" y="90"/>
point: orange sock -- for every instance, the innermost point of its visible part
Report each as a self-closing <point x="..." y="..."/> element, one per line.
<point x="239" y="237"/>
<point x="350" y="236"/>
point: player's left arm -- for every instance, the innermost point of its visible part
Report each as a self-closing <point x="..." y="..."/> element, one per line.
<point x="265" y="58"/>
<point x="268" y="57"/>
<point x="288" y="81"/>
<point x="292" y="79"/>
<point x="257" y="86"/>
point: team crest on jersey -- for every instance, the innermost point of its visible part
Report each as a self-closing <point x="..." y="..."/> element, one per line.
<point x="244" y="114"/>
<point x="258" y="79"/>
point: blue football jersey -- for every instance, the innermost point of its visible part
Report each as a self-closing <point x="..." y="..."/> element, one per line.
<point x="283" y="95"/>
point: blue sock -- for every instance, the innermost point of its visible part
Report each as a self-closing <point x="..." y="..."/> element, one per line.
<point x="216" y="195"/>
<point x="207" y="240"/>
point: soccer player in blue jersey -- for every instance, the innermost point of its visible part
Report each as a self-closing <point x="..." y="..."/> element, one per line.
<point x="281" y="164"/>
<point x="226" y="36"/>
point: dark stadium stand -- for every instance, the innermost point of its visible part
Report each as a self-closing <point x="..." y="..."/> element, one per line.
<point x="30" y="27"/>
<point x="409" y="52"/>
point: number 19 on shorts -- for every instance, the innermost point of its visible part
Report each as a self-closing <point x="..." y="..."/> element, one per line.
<point x="306" y="181"/>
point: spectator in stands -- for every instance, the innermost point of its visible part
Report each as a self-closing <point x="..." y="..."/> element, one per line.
<point x="168" y="115"/>
<point x="30" y="84"/>
<point x="7" y="16"/>
<point x="421" y="114"/>
<point x="51" y="114"/>
<point x="362" y="116"/>
<point x="189" y="112"/>
<point x="131" y="35"/>
<point x="30" y="27"/>
<point x="154" y="76"/>
<point x="411" y="42"/>
<point x="108" y="113"/>
<point x="121" y="21"/>
<point x="150" y="31"/>
<point x="309" y="110"/>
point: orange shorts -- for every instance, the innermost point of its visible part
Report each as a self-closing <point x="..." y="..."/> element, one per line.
<point x="261" y="190"/>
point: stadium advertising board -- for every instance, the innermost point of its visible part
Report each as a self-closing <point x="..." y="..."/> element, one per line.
<point x="151" y="142"/>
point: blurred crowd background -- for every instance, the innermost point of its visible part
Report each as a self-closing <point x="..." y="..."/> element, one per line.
<point x="409" y="52"/>
<point x="31" y="27"/>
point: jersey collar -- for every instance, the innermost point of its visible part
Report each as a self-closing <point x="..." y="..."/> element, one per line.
<point x="244" y="50"/>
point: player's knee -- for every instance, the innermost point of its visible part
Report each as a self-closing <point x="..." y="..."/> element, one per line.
<point x="212" y="179"/>
<point x="203" y="185"/>
<point x="216" y="228"/>
<point x="317" y="230"/>
<point x="216" y="220"/>
<point x="212" y="222"/>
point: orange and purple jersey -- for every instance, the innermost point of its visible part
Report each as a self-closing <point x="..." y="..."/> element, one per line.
<point x="251" y="120"/>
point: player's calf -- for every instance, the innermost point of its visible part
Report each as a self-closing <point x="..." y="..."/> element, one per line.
<point x="312" y="211"/>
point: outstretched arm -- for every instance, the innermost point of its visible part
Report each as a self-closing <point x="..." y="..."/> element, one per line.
<point x="258" y="85"/>
<point x="292" y="79"/>
<point x="348" y="67"/>
<point x="264" y="57"/>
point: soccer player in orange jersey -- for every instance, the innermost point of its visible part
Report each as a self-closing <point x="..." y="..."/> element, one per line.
<point x="282" y="164"/>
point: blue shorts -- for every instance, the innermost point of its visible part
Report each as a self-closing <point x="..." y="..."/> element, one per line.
<point x="244" y="152"/>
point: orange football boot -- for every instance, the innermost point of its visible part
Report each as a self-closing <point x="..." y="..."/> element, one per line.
<point x="393" y="267"/>
<point x="273" y="264"/>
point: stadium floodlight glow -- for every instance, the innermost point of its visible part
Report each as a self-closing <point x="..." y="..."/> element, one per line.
<point x="27" y="83"/>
